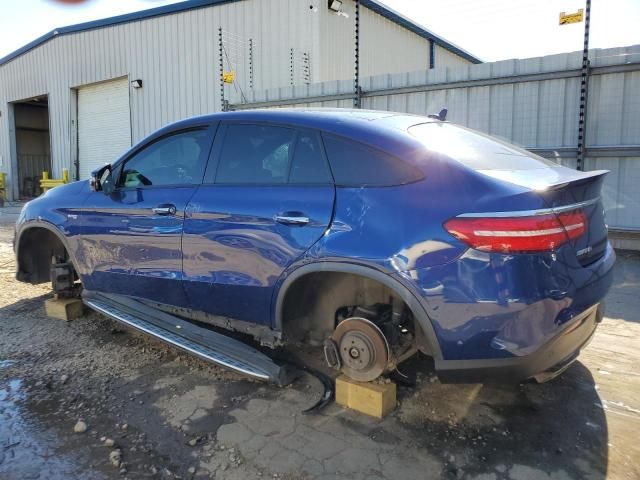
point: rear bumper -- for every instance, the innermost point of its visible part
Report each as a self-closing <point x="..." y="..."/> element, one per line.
<point x="486" y="306"/>
<point x="544" y="364"/>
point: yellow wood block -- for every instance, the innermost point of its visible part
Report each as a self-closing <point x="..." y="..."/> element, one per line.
<point x="375" y="399"/>
<point x="63" y="308"/>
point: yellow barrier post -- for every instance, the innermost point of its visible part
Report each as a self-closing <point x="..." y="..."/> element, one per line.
<point x="48" y="183"/>
<point x="3" y="188"/>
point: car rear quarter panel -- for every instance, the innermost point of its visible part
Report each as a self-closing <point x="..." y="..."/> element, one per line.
<point x="400" y="228"/>
<point x="481" y="305"/>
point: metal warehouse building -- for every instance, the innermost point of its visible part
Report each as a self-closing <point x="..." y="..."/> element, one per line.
<point x="80" y="95"/>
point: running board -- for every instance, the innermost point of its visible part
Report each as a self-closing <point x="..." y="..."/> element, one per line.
<point x="202" y="342"/>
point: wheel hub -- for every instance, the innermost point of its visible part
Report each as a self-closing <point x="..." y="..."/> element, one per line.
<point x="362" y="347"/>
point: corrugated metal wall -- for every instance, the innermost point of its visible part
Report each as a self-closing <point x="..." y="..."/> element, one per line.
<point x="177" y="58"/>
<point x="531" y="102"/>
<point x="443" y="58"/>
<point x="395" y="50"/>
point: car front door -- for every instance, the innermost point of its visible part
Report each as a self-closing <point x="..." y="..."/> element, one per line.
<point x="131" y="238"/>
<point x="267" y="198"/>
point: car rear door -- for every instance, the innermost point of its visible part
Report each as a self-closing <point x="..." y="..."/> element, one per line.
<point x="267" y="198"/>
<point x="131" y="238"/>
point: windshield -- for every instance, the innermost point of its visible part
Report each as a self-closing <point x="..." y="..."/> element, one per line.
<point x="474" y="149"/>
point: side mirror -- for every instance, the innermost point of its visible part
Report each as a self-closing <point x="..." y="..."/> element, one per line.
<point x="101" y="180"/>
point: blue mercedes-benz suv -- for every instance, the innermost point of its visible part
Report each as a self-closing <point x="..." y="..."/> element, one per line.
<point x="369" y="235"/>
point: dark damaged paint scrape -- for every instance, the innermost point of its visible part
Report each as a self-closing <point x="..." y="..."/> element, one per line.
<point x="224" y="254"/>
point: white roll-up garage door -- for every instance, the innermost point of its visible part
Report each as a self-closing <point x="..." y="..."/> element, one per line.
<point x="104" y="124"/>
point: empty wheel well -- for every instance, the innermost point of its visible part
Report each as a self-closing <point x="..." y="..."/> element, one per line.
<point x="36" y="249"/>
<point x="314" y="302"/>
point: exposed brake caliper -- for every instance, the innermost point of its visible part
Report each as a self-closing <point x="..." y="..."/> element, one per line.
<point x="63" y="279"/>
<point x="370" y="340"/>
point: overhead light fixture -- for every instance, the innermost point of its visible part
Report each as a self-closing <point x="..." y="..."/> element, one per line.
<point x="136" y="83"/>
<point x="335" y="5"/>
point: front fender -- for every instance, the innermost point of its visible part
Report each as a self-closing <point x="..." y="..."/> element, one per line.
<point x="57" y="211"/>
<point x="42" y="225"/>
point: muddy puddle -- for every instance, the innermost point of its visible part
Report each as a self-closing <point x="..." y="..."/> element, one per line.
<point x="32" y="441"/>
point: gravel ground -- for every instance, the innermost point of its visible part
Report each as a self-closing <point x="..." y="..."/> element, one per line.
<point x="153" y="412"/>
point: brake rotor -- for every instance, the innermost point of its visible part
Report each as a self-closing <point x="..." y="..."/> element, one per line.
<point x="362" y="347"/>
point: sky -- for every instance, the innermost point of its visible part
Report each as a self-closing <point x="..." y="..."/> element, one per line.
<point x="490" y="29"/>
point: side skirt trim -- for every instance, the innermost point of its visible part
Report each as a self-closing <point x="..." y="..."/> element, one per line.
<point x="206" y="344"/>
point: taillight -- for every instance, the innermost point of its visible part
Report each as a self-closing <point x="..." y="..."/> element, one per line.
<point x="536" y="233"/>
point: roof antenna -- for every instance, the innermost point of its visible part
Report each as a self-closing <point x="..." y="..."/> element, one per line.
<point x="442" y="116"/>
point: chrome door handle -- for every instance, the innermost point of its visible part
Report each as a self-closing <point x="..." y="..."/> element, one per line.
<point x="292" y="220"/>
<point x="165" y="210"/>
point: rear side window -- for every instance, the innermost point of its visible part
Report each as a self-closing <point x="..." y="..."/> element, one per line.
<point x="474" y="149"/>
<point x="255" y="154"/>
<point x="309" y="165"/>
<point x="356" y="165"/>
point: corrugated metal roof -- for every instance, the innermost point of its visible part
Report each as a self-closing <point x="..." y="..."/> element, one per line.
<point x="373" y="5"/>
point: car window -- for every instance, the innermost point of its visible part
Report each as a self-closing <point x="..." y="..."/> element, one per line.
<point x="355" y="165"/>
<point x="255" y="154"/>
<point x="173" y="160"/>
<point x="476" y="150"/>
<point x="309" y="164"/>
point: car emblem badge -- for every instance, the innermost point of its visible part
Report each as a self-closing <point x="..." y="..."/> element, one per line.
<point x="584" y="251"/>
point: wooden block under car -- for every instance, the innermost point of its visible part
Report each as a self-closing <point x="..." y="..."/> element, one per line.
<point x="375" y="399"/>
<point x="66" y="309"/>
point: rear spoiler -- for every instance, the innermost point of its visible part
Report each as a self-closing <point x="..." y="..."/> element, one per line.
<point x="580" y="178"/>
<point x="545" y="179"/>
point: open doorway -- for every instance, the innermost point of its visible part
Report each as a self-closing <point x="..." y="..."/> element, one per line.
<point x="33" y="144"/>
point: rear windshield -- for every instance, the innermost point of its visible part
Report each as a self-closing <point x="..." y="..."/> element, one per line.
<point x="474" y="149"/>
